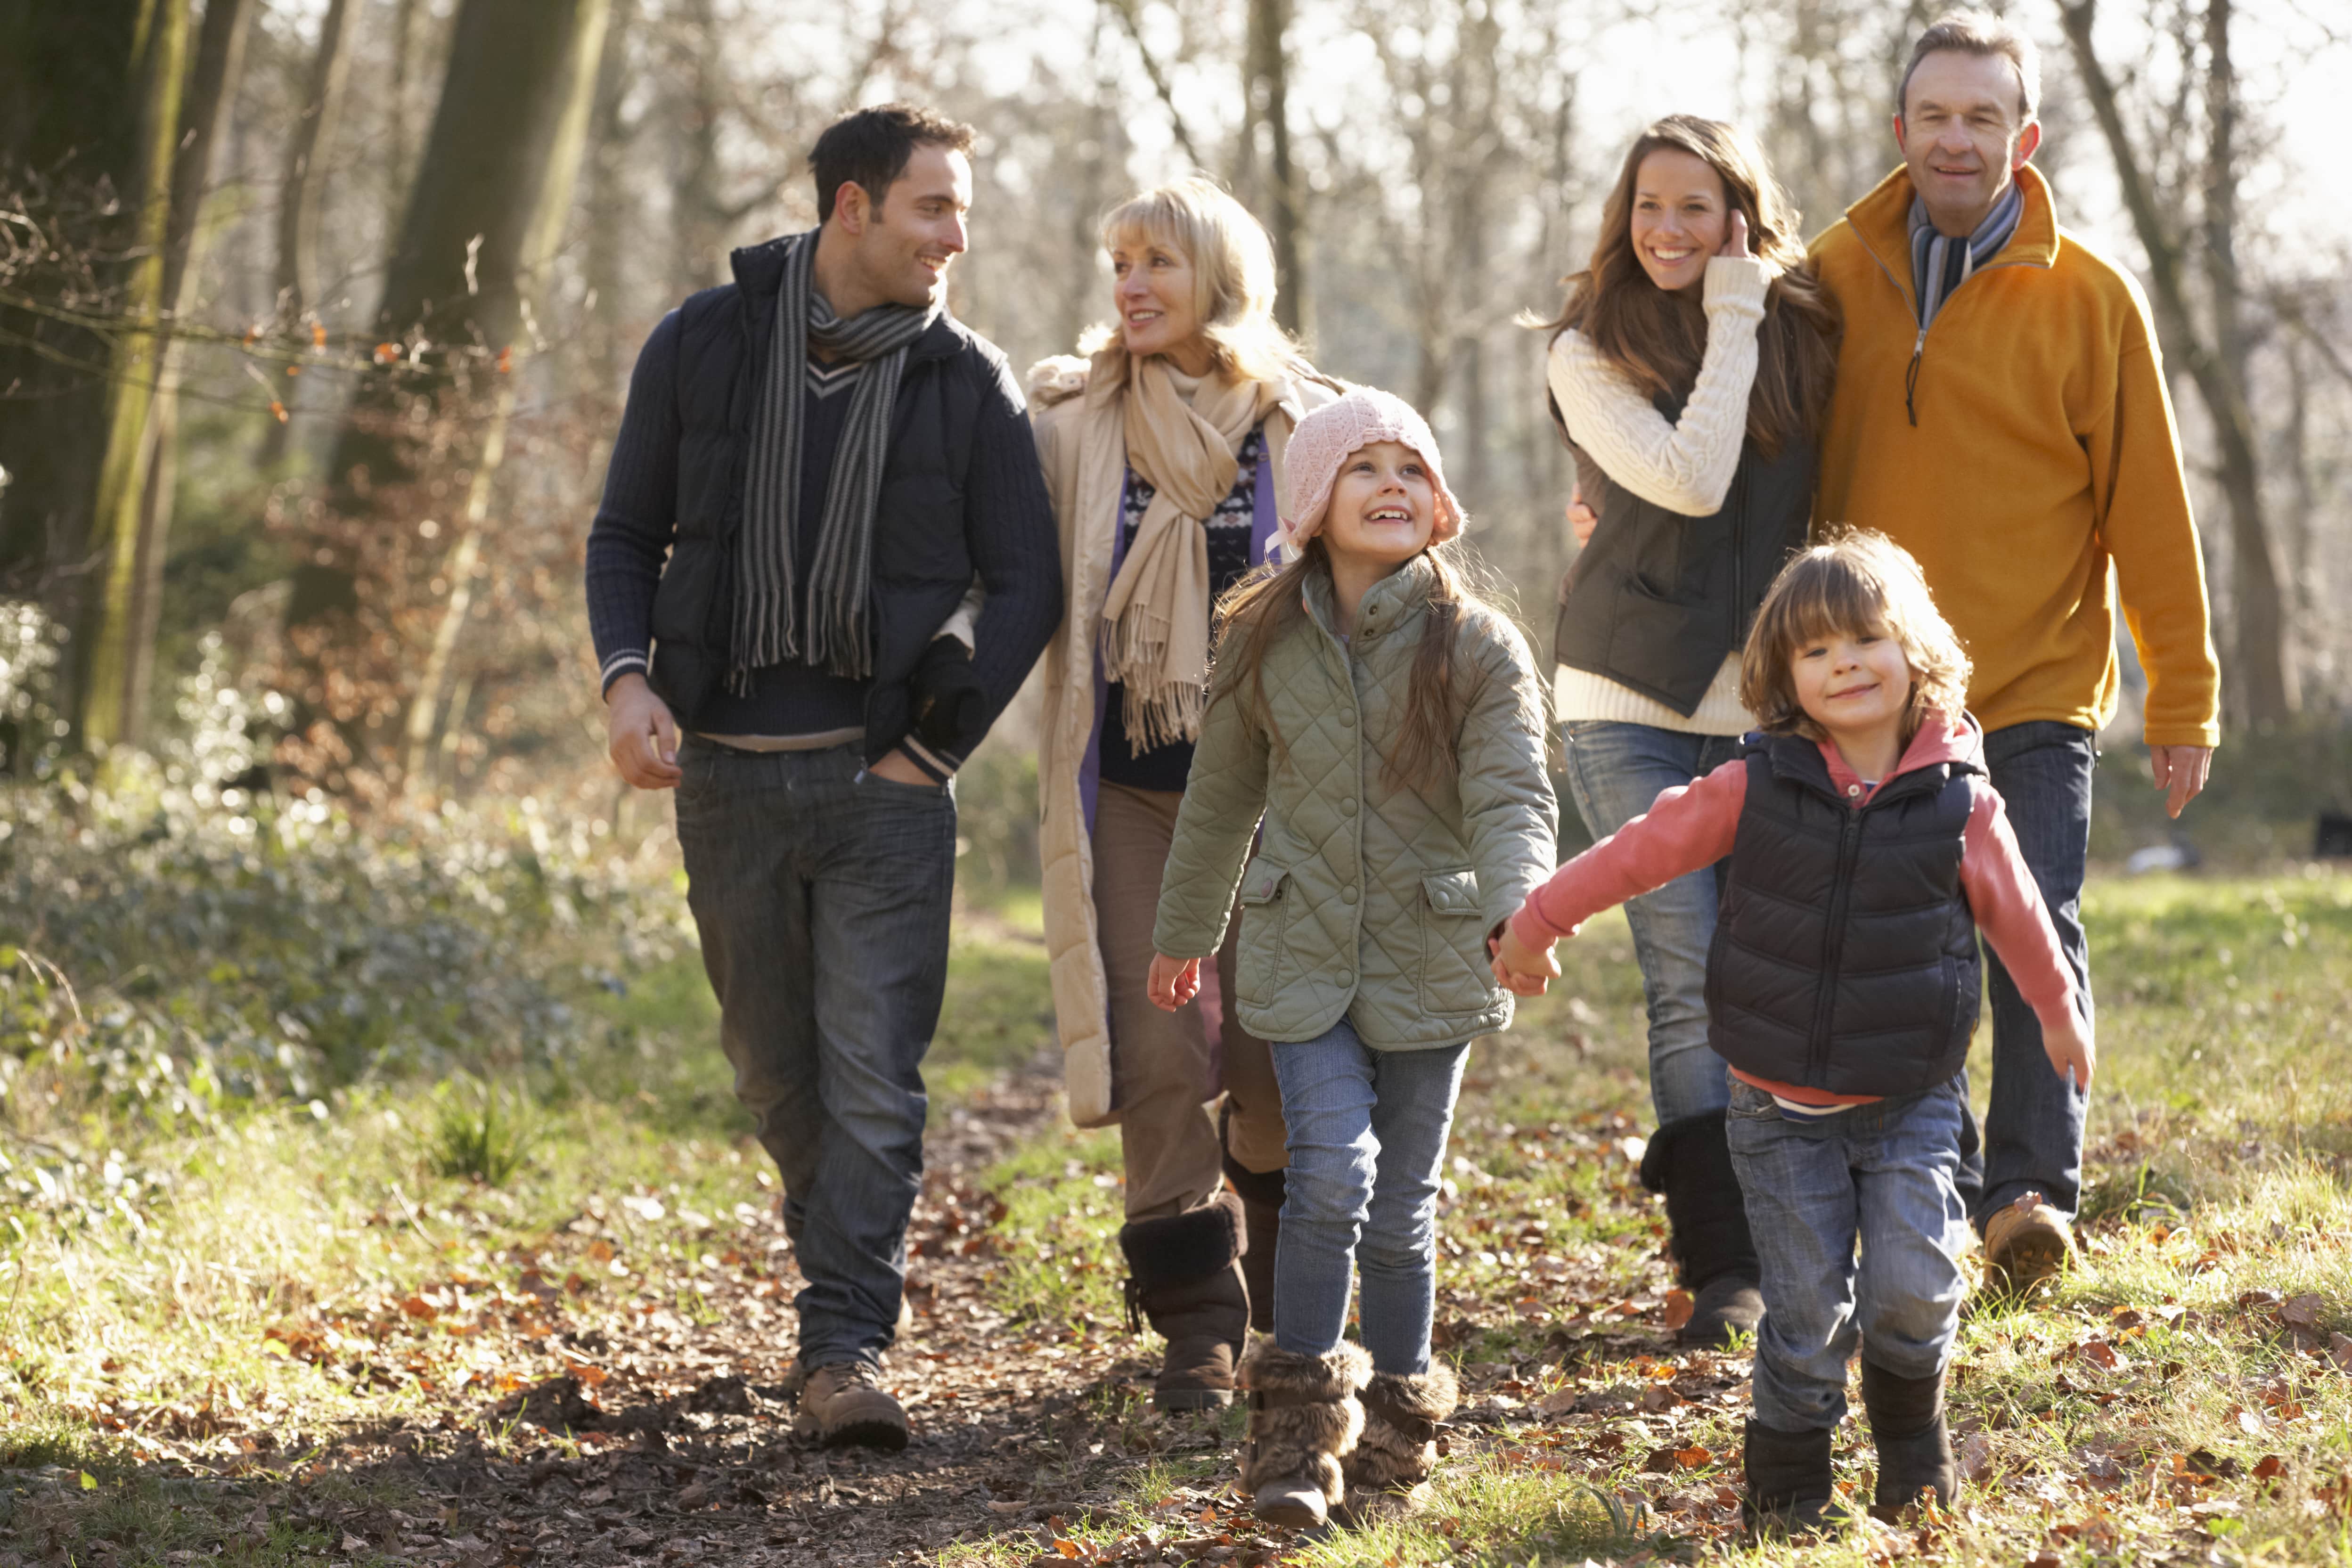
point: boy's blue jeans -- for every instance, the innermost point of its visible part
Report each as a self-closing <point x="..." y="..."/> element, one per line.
<point x="1615" y="772"/>
<point x="821" y="897"/>
<point x="1884" y="1175"/>
<point x="1367" y="1139"/>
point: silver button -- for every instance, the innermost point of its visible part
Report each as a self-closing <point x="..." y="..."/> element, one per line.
<point x="1854" y="789"/>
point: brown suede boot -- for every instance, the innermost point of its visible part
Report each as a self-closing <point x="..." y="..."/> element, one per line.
<point x="1393" y="1458"/>
<point x="1184" y="1274"/>
<point x="1304" y="1420"/>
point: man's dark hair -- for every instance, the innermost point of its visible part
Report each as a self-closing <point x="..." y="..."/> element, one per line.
<point x="871" y="146"/>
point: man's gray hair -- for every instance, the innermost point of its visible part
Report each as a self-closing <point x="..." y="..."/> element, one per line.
<point x="1983" y="34"/>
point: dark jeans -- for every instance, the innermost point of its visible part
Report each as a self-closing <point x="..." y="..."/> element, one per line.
<point x="821" y="897"/>
<point x="1878" y="1179"/>
<point x="2033" y="1124"/>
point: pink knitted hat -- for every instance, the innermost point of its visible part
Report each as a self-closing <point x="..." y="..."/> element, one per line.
<point x="1326" y="437"/>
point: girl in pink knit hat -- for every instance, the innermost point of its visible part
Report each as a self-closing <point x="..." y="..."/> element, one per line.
<point x="1378" y="731"/>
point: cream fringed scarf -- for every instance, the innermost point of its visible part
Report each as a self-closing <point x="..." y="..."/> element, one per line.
<point x="1155" y="621"/>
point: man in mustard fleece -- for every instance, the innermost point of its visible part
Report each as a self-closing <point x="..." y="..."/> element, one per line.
<point x="2001" y="413"/>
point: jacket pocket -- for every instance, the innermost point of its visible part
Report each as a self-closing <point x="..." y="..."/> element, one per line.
<point x="1455" y="976"/>
<point x="1265" y="920"/>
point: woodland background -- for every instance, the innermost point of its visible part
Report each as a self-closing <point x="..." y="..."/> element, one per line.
<point x="371" y="1187"/>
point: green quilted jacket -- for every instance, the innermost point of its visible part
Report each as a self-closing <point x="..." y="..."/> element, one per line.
<point x="1367" y="898"/>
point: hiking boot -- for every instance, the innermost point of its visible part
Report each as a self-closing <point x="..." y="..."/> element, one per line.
<point x="1388" y="1473"/>
<point x="2025" y="1242"/>
<point x="1689" y="1161"/>
<point x="1184" y="1275"/>
<point x="841" y="1406"/>
<point x="1303" y="1419"/>
<point x="1915" y="1450"/>
<point x="1788" y="1482"/>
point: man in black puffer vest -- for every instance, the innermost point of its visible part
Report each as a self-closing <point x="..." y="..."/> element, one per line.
<point x="816" y="465"/>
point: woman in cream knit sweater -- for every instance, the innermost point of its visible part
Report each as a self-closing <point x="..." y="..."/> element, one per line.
<point x="1688" y="371"/>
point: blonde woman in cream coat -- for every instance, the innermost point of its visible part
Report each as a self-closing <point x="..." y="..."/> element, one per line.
<point x="1161" y="441"/>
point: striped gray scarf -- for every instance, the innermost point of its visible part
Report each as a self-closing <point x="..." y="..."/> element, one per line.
<point x="768" y="598"/>
<point x="1940" y="263"/>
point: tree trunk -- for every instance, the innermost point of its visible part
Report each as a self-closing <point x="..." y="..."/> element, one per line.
<point x="488" y="211"/>
<point x="2215" y="362"/>
<point x="299" y="184"/>
<point x="212" y="91"/>
<point x="99" y="712"/>
<point x="1267" y="90"/>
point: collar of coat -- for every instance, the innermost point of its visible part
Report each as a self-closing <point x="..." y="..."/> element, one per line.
<point x="1882" y="221"/>
<point x="1396" y="600"/>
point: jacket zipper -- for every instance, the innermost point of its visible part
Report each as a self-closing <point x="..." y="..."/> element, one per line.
<point x="1739" y="559"/>
<point x="1920" y="344"/>
<point x="1817" y="1056"/>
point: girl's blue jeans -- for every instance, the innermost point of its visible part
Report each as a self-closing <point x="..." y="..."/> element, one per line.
<point x="1367" y="1143"/>
<point x="1884" y="1175"/>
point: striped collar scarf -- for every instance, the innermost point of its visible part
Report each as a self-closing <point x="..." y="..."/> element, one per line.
<point x="1940" y="263"/>
<point x="825" y="623"/>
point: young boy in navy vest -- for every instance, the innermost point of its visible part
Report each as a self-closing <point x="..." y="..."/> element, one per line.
<point x="1864" y="849"/>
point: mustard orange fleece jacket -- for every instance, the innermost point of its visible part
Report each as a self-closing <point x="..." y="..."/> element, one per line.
<point x="2028" y="460"/>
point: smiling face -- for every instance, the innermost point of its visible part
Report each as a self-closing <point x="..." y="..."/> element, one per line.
<point x="1383" y="506"/>
<point x="1156" y="292"/>
<point x="904" y="245"/>
<point x="1854" y="684"/>
<point x="1964" y="134"/>
<point x="1679" y="217"/>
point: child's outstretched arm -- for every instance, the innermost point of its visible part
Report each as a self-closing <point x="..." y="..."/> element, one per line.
<point x="1224" y="795"/>
<point x="1688" y="827"/>
<point x="1508" y="813"/>
<point x="2008" y="910"/>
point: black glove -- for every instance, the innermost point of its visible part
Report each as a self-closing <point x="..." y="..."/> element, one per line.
<point x="950" y="708"/>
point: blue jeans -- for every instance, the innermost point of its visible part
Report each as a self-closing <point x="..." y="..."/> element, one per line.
<point x="821" y="897"/>
<point x="2034" y="1123"/>
<point x="1367" y="1139"/>
<point x="1615" y="772"/>
<point x="1880" y="1175"/>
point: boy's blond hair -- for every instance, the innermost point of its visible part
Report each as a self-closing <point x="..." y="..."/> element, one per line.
<point x="1855" y="581"/>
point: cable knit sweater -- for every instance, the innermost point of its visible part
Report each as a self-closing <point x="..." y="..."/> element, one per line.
<point x="1684" y="466"/>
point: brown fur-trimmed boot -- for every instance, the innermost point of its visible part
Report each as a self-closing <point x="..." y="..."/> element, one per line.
<point x="1403" y="1412"/>
<point x="1184" y="1274"/>
<point x="1304" y="1420"/>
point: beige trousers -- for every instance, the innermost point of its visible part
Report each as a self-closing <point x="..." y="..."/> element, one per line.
<point x="1167" y="1068"/>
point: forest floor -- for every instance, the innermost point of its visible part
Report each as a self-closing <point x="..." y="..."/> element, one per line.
<point x="321" y="1351"/>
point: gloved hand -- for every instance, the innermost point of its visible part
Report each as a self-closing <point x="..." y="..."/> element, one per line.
<point x="950" y="708"/>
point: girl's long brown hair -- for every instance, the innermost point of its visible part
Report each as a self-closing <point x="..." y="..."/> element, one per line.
<point x="1266" y="606"/>
<point x="1657" y="337"/>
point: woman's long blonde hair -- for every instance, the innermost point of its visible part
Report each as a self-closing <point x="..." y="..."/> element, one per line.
<point x="1856" y="582"/>
<point x="1233" y="274"/>
<point x="1657" y="337"/>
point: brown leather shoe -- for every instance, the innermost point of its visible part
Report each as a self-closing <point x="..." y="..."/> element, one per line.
<point x="2025" y="1242"/>
<point x="841" y="1406"/>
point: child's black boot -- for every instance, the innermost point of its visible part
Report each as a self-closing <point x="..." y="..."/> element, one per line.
<point x="1788" y="1482"/>
<point x="1915" y="1451"/>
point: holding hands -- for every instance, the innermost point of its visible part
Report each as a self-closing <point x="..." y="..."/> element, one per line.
<point x="1522" y="970"/>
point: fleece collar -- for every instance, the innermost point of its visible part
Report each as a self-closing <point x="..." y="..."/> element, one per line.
<point x="1882" y="221"/>
<point x="1959" y="741"/>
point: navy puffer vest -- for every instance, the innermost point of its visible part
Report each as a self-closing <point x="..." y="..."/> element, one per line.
<point x="1845" y="956"/>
